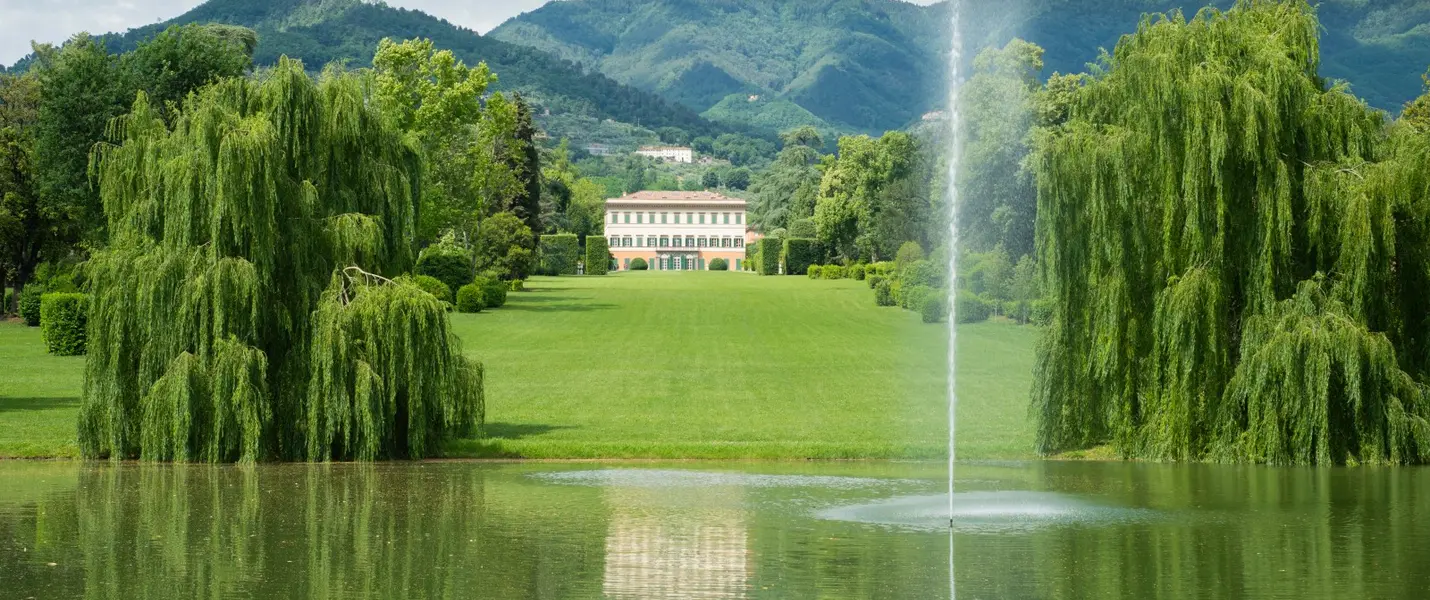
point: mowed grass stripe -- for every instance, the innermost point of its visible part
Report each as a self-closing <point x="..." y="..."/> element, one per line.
<point x="673" y="365"/>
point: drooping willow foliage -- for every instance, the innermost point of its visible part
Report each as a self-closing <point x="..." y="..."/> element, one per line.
<point x="237" y="314"/>
<point x="1237" y="251"/>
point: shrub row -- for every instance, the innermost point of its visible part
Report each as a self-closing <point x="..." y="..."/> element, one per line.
<point x="598" y="255"/>
<point x="64" y="317"/>
<point x="486" y="291"/>
<point x="800" y="253"/>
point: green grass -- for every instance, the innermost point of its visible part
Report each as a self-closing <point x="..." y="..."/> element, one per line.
<point x="675" y="365"/>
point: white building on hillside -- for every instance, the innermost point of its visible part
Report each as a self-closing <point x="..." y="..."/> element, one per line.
<point x="676" y="231"/>
<point x="678" y="154"/>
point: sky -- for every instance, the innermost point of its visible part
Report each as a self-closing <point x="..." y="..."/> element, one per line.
<point x="54" y="21"/>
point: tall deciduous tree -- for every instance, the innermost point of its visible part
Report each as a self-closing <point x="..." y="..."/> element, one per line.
<point x="999" y="200"/>
<point x="241" y="312"/>
<point x="849" y="206"/>
<point x="1236" y="253"/>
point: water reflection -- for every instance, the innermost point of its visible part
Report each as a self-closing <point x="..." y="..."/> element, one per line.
<point x="756" y="530"/>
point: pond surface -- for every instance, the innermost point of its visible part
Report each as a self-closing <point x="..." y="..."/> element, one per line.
<point x="711" y="530"/>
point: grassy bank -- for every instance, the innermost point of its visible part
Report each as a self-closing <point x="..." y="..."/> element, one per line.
<point x="674" y="365"/>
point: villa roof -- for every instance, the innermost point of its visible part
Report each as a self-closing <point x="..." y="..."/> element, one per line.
<point x="655" y="197"/>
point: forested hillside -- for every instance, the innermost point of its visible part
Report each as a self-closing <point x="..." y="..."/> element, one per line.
<point x="321" y="31"/>
<point x="870" y="65"/>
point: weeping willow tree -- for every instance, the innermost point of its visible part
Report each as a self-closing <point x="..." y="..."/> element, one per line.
<point x="241" y="312"/>
<point x="1237" y="253"/>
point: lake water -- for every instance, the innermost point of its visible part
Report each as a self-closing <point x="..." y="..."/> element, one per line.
<point x="1043" y="530"/>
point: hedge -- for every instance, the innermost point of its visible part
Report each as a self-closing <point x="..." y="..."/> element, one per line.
<point x="912" y="297"/>
<point x="831" y="272"/>
<point x="30" y="304"/>
<point x="639" y="264"/>
<point x="769" y="256"/>
<point x="434" y="286"/>
<point x="447" y="263"/>
<point x="471" y="299"/>
<point x="559" y="253"/>
<point x="857" y="272"/>
<point x="802" y="228"/>
<point x="813" y="271"/>
<point x="971" y="308"/>
<point x="64" y="316"/>
<point x="718" y="264"/>
<point x="884" y="293"/>
<point x="873" y="281"/>
<point x="925" y="273"/>
<point x="799" y="254"/>
<point x="933" y="307"/>
<point x="598" y="255"/>
<point x="494" y="290"/>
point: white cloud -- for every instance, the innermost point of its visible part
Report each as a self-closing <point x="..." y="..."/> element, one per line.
<point x="54" y="21"/>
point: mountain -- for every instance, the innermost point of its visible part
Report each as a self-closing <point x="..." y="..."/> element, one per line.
<point x="871" y="65"/>
<point x="321" y="31"/>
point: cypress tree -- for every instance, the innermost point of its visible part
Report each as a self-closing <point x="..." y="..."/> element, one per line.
<point x="240" y="312"/>
<point x="1235" y="251"/>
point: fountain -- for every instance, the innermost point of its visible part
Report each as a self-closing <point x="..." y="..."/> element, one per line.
<point x="954" y="156"/>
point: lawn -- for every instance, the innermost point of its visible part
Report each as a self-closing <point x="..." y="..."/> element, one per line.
<point x="674" y="365"/>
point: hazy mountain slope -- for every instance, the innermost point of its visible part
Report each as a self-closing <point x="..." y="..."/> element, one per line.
<point x="868" y="65"/>
<point x="321" y="31"/>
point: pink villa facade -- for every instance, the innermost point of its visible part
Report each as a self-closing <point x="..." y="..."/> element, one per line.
<point x="676" y="231"/>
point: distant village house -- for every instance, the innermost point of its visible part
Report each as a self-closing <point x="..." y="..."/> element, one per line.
<point x="598" y="150"/>
<point x="676" y="154"/>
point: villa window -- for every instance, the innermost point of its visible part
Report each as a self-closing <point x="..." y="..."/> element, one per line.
<point x="727" y="219"/>
<point x="689" y="241"/>
<point x="675" y="241"/>
<point x="628" y="217"/>
<point x="739" y="217"/>
<point x="640" y="241"/>
<point x="739" y="242"/>
<point x="689" y="218"/>
<point x="662" y="218"/>
<point x="664" y="241"/>
<point x="650" y="241"/>
<point x="651" y="220"/>
<point x="702" y="218"/>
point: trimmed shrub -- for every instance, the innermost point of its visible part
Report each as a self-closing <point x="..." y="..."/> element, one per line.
<point x="517" y="285"/>
<point x="448" y="263"/>
<point x="813" y="271"/>
<point x="908" y="253"/>
<point x="494" y="290"/>
<point x="857" y="272"/>
<point x="639" y="264"/>
<point x="559" y="254"/>
<point x="802" y="228"/>
<point x="718" y="264"/>
<point x="874" y="280"/>
<point x="923" y="273"/>
<point x="64" y="316"/>
<point x="972" y="309"/>
<point x="884" y="268"/>
<point x="434" y="286"/>
<point x="799" y="254"/>
<point x="769" y="255"/>
<point x="471" y="298"/>
<point x="884" y="293"/>
<point x="30" y="304"/>
<point x="834" y="272"/>
<point x="933" y="308"/>
<point x="598" y="255"/>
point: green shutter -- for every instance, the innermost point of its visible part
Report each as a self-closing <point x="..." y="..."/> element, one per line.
<point x="702" y="264"/>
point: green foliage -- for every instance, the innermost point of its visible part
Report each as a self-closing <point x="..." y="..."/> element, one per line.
<point x="434" y="286"/>
<point x="873" y="279"/>
<point x="971" y="308"/>
<point x="494" y="290"/>
<point x="30" y="305"/>
<point x="718" y="264"/>
<point x="506" y="246"/>
<point x="998" y="197"/>
<point x="884" y="293"/>
<point x="639" y="264"/>
<point x="933" y="308"/>
<point x="64" y="318"/>
<point x="448" y="262"/>
<point x="236" y="314"/>
<point x="767" y="255"/>
<point x="1163" y="241"/>
<point x="598" y="255"/>
<point x="813" y="271"/>
<point x="1417" y="112"/>
<point x="857" y="272"/>
<point x="832" y="272"/>
<point x="924" y="273"/>
<point x="471" y="298"/>
<point x="516" y="285"/>
<point x="802" y="228"/>
<point x="908" y="253"/>
<point x="858" y="199"/>
<point x="559" y="253"/>
<point x="799" y="254"/>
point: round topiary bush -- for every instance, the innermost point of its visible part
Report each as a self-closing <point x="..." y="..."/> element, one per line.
<point x="30" y="304"/>
<point x="912" y="296"/>
<point x="873" y="280"/>
<point x="971" y="308"/>
<point x="933" y="307"/>
<point x="717" y="264"/>
<point x="495" y="291"/>
<point x="814" y="271"/>
<point x="64" y="317"/>
<point x="434" y="286"/>
<point x="471" y="299"/>
<point x="856" y="272"/>
<point x="449" y="263"/>
<point x="884" y="293"/>
<point x="639" y="264"/>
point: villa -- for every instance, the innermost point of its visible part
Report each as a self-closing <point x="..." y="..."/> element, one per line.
<point x="675" y="154"/>
<point x="676" y="231"/>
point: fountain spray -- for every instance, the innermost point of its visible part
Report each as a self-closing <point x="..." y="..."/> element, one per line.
<point x="955" y="151"/>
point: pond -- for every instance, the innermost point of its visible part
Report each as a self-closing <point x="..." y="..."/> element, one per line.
<point x="711" y="530"/>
